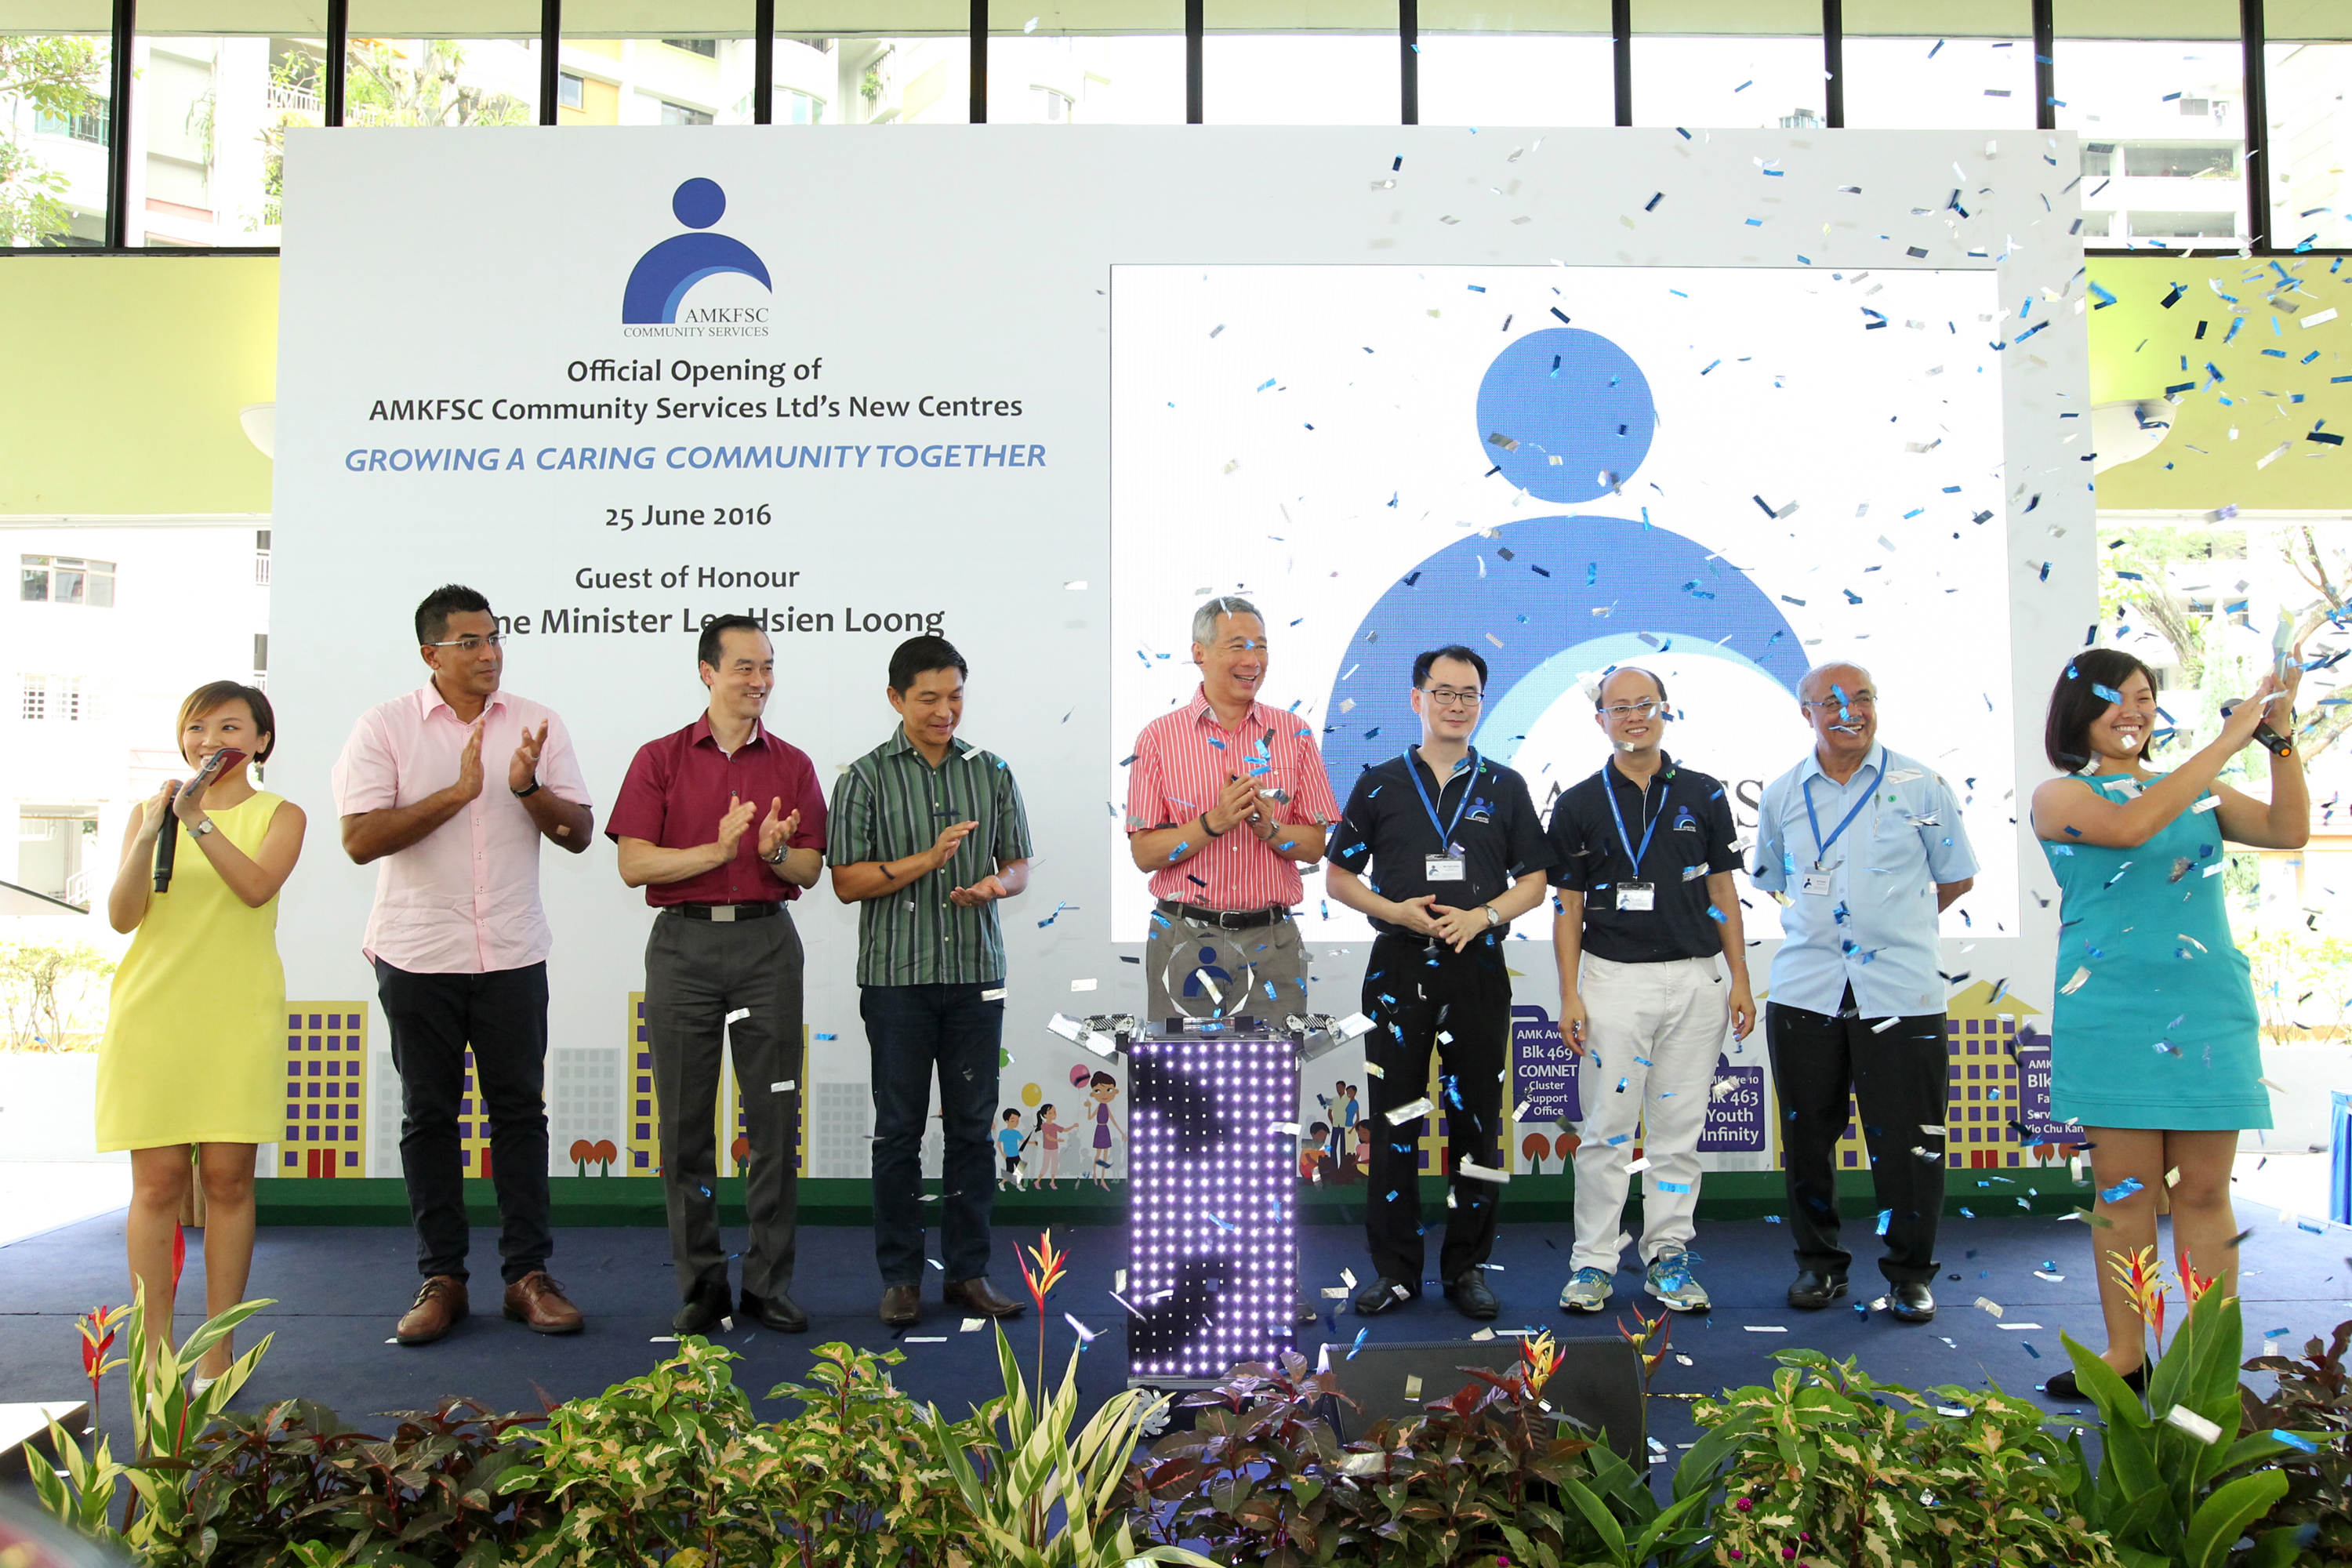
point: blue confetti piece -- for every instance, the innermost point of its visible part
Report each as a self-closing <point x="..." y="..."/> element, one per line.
<point x="2030" y="1350"/>
<point x="2121" y="1190"/>
<point x="1361" y="1335"/>
<point x="2295" y="1441"/>
<point x="828" y="1037"/>
<point x="2106" y="693"/>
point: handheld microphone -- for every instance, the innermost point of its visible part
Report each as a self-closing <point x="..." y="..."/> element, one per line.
<point x="166" y="843"/>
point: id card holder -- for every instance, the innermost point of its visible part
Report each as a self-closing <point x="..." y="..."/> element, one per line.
<point x="1445" y="868"/>
<point x="1815" y="882"/>
<point x="1637" y="895"/>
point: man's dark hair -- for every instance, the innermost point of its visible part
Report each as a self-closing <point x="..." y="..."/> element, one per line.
<point x="709" y="649"/>
<point x="1421" y="666"/>
<point x="2074" y="705"/>
<point x="450" y="599"/>
<point x="1603" y="684"/>
<point x="918" y="654"/>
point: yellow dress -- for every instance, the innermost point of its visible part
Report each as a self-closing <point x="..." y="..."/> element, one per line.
<point x="196" y="1029"/>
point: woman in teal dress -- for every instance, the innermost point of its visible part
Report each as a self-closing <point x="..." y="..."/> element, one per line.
<point x="2155" y="1047"/>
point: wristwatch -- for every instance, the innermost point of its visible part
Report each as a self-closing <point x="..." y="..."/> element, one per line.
<point x="777" y="858"/>
<point x="201" y="828"/>
<point x="1492" y="920"/>
<point x="520" y="793"/>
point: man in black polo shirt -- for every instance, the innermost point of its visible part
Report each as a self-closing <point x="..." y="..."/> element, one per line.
<point x="1441" y="848"/>
<point x="1642" y="855"/>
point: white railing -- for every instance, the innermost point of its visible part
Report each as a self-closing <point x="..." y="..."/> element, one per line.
<point x="261" y="570"/>
<point x="298" y="97"/>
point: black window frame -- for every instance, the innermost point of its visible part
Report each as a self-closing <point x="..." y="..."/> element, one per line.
<point x="2253" y="165"/>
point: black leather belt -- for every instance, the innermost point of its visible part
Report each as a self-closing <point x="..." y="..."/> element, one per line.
<point x="1225" y="919"/>
<point x="724" y="912"/>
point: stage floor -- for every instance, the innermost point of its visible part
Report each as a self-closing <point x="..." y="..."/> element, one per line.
<point x="340" y="1290"/>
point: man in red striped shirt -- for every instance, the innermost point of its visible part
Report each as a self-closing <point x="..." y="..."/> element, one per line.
<point x="1226" y="799"/>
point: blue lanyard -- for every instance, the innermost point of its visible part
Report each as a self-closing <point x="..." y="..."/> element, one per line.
<point x="1650" y="828"/>
<point x="1444" y="829"/>
<point x="1820" y="846"/>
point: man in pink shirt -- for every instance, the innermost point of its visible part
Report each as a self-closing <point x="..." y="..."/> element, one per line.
<point x="1226" y="798"/>
<point x="459" y="943"/>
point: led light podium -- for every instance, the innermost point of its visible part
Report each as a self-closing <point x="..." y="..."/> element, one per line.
<point x="1213" y="1186"/>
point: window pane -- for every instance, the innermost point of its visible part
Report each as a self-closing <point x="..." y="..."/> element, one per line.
<point x="54" y="123"/>
<point x="2308" y="64"/>
<point x="1301" y="62"/>
<point x="1086" y="62"/>
<point x="219" y="85"/>
<point x="2156" y="92"/>
<point x="1911" y="66"/>
<point x="1539" y="62"/>
<point x="633" y="62"/>
<point x="873" y="62"/>
<point x="35" y="580"/>
<point x="1738" y="67"/>
<point x="412" y="62"/>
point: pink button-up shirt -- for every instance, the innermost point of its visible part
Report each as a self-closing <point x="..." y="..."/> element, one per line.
<point x="1182" y="761"/>
<point x="463" y="900"/>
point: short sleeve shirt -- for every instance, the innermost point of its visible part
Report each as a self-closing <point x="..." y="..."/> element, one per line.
<point x="1386" y="835"/>
<point x="1183" y="759"/>
<point x="1686" y="819"/>
<point x="1873" y="924"/>
<point x="890" y="803"/>
<point x="463" y="899"/>
<point x="679" y="786"/>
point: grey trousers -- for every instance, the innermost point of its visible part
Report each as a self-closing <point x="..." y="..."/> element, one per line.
<point x="1224" y="970"/>
<point x="697" y="971"/>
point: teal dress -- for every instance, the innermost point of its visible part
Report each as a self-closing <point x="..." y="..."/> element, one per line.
<point x="2161" y="1030"/>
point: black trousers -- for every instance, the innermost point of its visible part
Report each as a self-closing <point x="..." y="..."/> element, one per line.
<point x="912" y="1033"/>
<point x="1413" y="991"/>
<point x="697" y="971"/>
<point x="1898" y="1079"/>
<point x="503" y="1016"/>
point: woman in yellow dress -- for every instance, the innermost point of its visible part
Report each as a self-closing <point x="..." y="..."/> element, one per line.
<point x="193" y="1033"/>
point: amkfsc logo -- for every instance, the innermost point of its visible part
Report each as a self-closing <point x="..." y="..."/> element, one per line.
<point x="663" y="275"/>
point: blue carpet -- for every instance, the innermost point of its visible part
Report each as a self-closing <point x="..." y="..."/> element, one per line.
<point x="338" y="1292"/>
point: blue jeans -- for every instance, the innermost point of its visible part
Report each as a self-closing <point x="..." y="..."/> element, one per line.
<point x="912" y="1031"/>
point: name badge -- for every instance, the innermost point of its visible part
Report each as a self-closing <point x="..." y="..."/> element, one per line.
<point x="1637" y="895"/>
<point x="1445" y="869"/>
<point x="1815" y="882"/>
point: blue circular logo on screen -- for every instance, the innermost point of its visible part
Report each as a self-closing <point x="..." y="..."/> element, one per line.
<point x="698" y="203"/>
<point x="1562" y="407"/>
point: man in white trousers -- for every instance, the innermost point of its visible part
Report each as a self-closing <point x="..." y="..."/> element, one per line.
<point x="1643" y="861"/>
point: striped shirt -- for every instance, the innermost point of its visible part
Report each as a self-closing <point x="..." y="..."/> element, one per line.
<point x="1184" y="758"/>
<point x="890" y="803"/>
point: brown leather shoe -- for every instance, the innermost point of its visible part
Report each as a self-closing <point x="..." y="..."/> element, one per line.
<point x="440" y="1302"/>
<point x="902" y="1306"/>
<point x="979" y="1297"/>
<point x="537" y="1300"/>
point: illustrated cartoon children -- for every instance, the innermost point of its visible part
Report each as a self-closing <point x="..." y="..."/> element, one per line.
<point x="1049" y="1134"/>
<point x="1313" y="1159"/>
<point x="1102" y="1090"/>
<point x="1009" y="1138"/>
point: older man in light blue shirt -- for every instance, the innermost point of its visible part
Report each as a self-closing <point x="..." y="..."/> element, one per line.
<point x="1865" y="850"/>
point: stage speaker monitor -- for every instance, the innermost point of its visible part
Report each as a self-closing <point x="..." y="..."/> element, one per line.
<point x="1596" y="1390"/>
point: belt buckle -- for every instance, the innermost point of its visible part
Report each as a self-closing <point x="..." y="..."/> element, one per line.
<point x="1227" y="920"/>
<point x="722" y="912"/>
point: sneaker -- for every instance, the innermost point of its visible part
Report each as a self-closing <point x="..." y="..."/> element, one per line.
<point x="1586" y="1290"/>
<point x="1669" y="1280"/>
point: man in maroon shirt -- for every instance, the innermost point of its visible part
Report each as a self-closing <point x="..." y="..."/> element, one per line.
<point x="723" y="941"/>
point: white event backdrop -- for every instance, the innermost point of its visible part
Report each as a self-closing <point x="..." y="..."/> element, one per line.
<point x="921" y="378"/>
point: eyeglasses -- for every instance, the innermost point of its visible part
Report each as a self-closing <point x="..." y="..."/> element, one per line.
<point x="470" y="645"/>
<point x="1859" y="700"/>
<point x="1446" y="697"/>
<point x="1641" y="710"/>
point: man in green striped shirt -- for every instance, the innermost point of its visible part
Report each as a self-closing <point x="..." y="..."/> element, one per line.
<point x="926" y="834"/>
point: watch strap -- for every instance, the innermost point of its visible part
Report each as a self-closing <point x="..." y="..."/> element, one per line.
<point x="523" y="793"/>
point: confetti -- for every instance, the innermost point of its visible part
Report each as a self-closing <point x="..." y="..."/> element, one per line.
<point x="2196" y="1425"/>
<point x="1404" y="1113"/>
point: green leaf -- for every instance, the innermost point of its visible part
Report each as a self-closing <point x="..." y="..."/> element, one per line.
<point x="2226" y="1515"/>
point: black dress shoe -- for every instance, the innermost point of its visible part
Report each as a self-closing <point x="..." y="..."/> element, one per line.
<point x="1382" y="1294"/>
<point x="1912" y="1302"/>
<point x="778" y="1311"/>
<point x="1814" y="1289"/>
<point x="902" y="1305"/>
<point x="1470" y="1296"/>
<point x="2063" y="1385"/>
<point x="706" y="1304"/>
